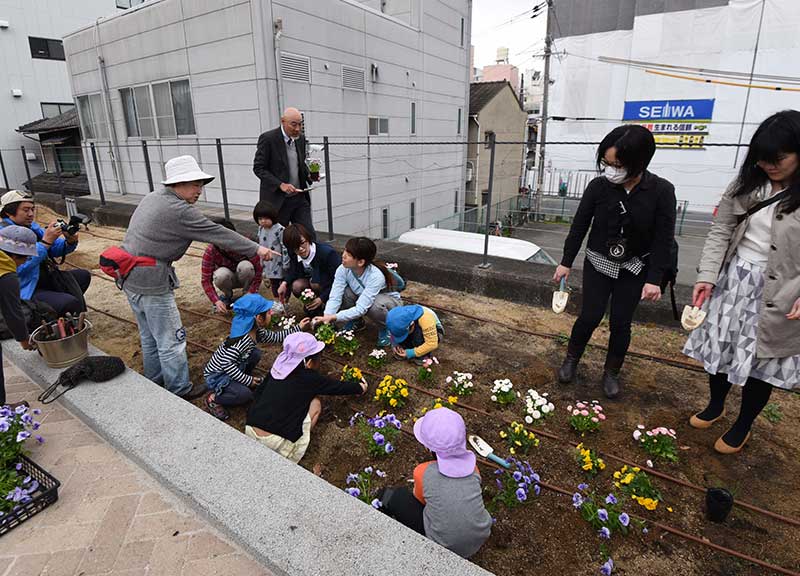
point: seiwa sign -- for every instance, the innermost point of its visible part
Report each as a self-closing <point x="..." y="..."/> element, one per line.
<point x="668" y="110"/>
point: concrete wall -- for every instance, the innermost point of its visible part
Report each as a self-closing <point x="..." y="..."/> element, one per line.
<point x="503" y="116"/>
<point x="227" y="51"/>
<point x="40" y="80"/>
<point x="496" y="72"/>
<point x="579" y="17"/>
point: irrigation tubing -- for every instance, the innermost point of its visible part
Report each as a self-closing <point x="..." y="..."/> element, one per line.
<point x="664" y="527"/>
<point x="557" y="489"/>
<point x="548" y="335"/>
<point x="542" y="433"/>
<point x="553" y="336"/>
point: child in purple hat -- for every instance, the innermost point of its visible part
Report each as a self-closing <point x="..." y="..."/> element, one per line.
<point x="447" y="503"/>
<point x="287" y="404"/>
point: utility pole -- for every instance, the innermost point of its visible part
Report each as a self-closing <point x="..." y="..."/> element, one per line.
<point x="548" y="42"/>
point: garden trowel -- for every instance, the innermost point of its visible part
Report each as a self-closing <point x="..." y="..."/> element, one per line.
<point x="560" y="297"/>
<point x="482" y="448"/>
<point x="692" y="317"/>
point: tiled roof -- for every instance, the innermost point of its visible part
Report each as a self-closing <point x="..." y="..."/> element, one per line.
<point x="65" y="121"/>
<point x="481" y="93"/>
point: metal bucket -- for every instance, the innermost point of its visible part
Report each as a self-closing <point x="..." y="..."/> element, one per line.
<point x="65" y="352"/>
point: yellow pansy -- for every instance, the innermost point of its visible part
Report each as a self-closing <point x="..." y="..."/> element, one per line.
<point x="404" y="392"/>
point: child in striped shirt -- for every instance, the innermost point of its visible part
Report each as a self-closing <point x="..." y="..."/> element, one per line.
<point x="229" y="372"/>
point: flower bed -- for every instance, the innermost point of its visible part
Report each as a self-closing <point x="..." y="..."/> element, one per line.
<point x="25" y="488"/>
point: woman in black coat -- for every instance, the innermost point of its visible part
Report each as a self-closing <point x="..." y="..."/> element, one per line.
<point x="632" y="217"/>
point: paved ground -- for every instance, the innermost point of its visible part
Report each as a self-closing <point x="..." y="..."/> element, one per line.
<point x="111" y="518"/>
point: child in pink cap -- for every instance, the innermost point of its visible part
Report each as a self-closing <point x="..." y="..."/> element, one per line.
<point x="286" y="404"/>
<point x="447" y="503"/>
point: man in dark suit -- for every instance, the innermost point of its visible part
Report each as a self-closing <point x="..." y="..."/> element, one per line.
<point x="280" y="164"/>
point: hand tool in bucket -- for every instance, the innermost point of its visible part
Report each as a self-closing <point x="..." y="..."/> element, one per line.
<point x="482" y="448"/>
<point x="692" y="317"/>
<point x="560" y="297"/>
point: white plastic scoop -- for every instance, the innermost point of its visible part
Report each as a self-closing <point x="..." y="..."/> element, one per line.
<point x="560" y="297"/>
<point x="482" y="448"/>
<point x="692" y="317"/>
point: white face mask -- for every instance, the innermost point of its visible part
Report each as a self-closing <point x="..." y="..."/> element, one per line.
<point x="615" y="175"/>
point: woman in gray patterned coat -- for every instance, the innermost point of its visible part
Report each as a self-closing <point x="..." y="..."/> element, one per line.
<point x="749" y="278"/>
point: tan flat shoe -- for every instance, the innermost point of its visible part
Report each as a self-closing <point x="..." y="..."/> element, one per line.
<point x="700" y="424"/>
<point x="722" y="447"/>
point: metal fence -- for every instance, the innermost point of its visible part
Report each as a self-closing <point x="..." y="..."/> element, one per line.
<point x="555" y="203"/>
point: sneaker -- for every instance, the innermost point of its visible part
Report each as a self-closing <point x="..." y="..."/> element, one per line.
<point x="195" y="392"/>
<point x="216" y="410"/>
<point x="356" y="325"/>
<point x="383" y="338"/>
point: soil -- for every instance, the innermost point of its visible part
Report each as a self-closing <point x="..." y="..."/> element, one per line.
<point x="545" y="534"/>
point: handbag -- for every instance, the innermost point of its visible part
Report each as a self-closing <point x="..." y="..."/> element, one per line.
<point x="118" y="263"/>
<point x="763" y="204"/>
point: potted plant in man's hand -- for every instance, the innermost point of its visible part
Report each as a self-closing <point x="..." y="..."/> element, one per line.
<point x="313" y="169"/>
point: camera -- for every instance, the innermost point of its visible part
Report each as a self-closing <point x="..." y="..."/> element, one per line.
<point x="74" y="225"/>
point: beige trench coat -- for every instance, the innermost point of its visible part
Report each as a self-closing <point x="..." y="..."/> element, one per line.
<point x="777" y="337"/>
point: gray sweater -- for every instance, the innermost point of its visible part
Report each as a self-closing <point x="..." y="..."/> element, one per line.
<point x="162" y="227"/>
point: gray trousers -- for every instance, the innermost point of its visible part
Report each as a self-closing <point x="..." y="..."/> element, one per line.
<point x="227" y="280"/>
<point x="379" y="309"/>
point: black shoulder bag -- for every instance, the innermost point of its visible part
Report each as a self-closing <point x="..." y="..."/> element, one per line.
<point x="763" y="204"/>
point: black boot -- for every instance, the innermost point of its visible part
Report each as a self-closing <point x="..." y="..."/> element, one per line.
<point x="569" y="366"/>
<point x="611" y="376"/>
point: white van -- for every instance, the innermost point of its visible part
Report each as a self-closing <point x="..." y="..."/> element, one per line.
<point x="499" y="246"/>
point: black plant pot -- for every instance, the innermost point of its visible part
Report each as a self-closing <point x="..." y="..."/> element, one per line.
<point x="718" y="504"/>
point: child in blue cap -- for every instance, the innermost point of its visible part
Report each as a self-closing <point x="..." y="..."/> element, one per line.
<point x="415" y="331"/>
<point x="229" y="372"/>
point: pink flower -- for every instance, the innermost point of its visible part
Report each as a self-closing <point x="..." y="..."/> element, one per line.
<point x="595" y="420"/>
<point x="649" y="433"/>
<point x="640" y="426"/>
<point x="637" y="434"/>
<point x="569" y="408"/>
<point x="650" y="463"/>
<point x="601" y="416"/>
<point x="598" y="408"/>
<point x="584" y="412"/>
<point x="576" y="412"/>
<point x="580" y="405"/>
<point x="671" y="431"/>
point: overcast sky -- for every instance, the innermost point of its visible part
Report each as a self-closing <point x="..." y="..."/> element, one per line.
<point x="524" y="37"/>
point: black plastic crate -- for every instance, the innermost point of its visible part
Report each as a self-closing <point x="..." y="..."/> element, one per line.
<point x="46" y="495"/>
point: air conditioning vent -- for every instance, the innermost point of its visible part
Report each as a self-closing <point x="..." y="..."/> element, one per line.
<point x="353" y="78"/>
<point x="295" y="67"/>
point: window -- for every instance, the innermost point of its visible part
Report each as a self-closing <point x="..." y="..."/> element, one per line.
<point x="93" y="117"/>
<point x="46" y="49"/>
<point x="353" y="78"/>
<point x="53" y="109"/>
<point x="462" y="32"/>
<point x="129" y="111"/>
<point x="458" y="128"/>
<point x="412" y="219"/>
<point x="378" y="126"/>
<point x="413" y="117"/>
<point x="163" y="110"/>
<point x="385" y="223"/>
<point x="487" y="137"/>
<point x="455" y="204"/>
<point x="295" y="67"/>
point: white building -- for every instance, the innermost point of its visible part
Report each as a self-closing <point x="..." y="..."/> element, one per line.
<point x="589" y="94"/>
<point x="182" y="73"/>
<point x="532" y="91"/>
<point x="34" y="83"/>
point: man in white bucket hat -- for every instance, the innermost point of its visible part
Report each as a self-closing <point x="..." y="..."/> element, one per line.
<point x="162" y="227"/>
